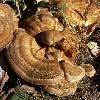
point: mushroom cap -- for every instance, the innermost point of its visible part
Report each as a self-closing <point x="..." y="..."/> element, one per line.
<point x="36" y="69"/>
<point x="8" y="24"/>
<point x="42" y="22"/>
<point x="89" y="70"/>
<point x="82" y="13"/>
<point x="73" y="73"/>
<point x="64" y="88"/>
<point x="21" y="54"/>
<point x="51" y="36"/>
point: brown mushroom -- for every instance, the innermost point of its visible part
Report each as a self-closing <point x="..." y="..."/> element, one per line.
<point x="64" y="88"/>
<point x="42" y="22"/>
<point x="89" y="70"/>
<point x="73" y="73"/>
<point x="22" y="56"/>
<point x="54" y="54"/>
<point x="69" y="44"/>
<point x="93" y="15"/>
<point x="8" y="24"/>
<point x="81" y="13"/>
<point x="51" y="36"/>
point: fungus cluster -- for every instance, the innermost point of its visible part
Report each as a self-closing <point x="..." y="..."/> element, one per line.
<point x="43" y="50"/>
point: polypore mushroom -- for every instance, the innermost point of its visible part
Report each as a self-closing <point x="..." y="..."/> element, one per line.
<point x="22" y="56"/>
<point x="54" y="54"/>
<point x="64" y="88"/>
<point x="51" y="36"/>
<point x="8" y="24"/>
<point x="93" y="15"/>
<point x="42" y="22"/>
<point x="89" y="70"/>
<point x="65" y="41"/>
<point x="79" y="13"/>
<point x="69" y="43"/>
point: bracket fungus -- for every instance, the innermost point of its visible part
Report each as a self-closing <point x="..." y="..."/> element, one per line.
<point x="8" y="24"/>
<point x="39" y="71"/>
<point x="44" y="53"/>
<point x="41" y="22"/>
<point x="83" y="14"/>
